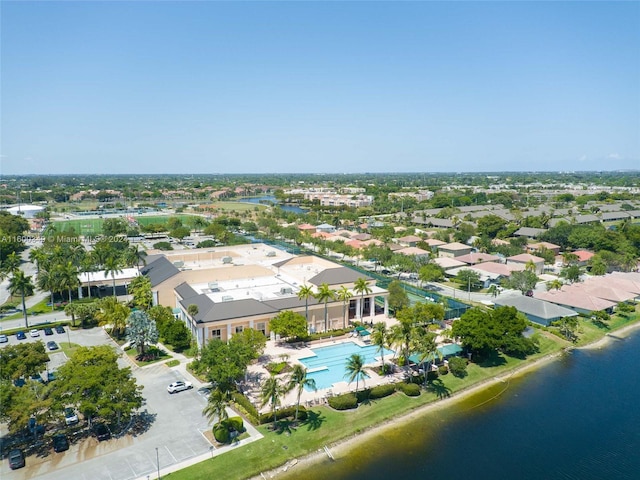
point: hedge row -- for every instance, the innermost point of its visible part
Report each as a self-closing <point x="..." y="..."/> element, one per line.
<point x="409" y="389"/>
<point x="382" y="391"/>
<point x="246" y="407"/>
<point x="222" y="431"/>
<point x="284" y="413"/>
<point x="345" y="401"/>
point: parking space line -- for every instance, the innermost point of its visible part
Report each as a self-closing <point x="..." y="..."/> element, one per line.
<point x="169" y="451"/>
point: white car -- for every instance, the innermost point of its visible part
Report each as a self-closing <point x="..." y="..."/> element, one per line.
<point x="179" y="386"/>
<point x="35" y="332"/>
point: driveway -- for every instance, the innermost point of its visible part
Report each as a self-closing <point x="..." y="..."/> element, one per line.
<point x="175" y="433"/>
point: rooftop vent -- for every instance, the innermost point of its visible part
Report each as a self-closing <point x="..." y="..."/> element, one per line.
<point x="286" y="290"/>
<point x="227" y="298"/>
<point x="271" y="253"/>
<point x="178" y="264"/>
<point x="227" y="260"/>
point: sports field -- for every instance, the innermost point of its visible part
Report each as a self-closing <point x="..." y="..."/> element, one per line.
<point x="93" y="226"/>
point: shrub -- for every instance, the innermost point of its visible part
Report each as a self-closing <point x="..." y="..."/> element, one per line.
<point x="409" y="389"/>
<point x="382" y="391"/>
<point x="163" y="246"/>
<point x="221" y="433"/>
<point x="235" y="423"/>
<point x="276" y="368"/>
<point x="458" y="366"/>
<point x="284" y="413"/>
<point x="244" y="403"/>
<point x="172" y="363"/>
<point x="431" y="375"/>
<point x="443" y="370"/>
<point x="345" y="401"/>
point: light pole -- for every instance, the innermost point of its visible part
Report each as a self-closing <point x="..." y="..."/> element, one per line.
<point x="158" y="462"/>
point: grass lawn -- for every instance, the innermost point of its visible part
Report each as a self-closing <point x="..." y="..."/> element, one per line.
<point x="238" y="206"/>
<point x="589" y="332"/>
<point x="326" y="426"/>
<point x="39" y="308"/>
<point x="68" y="348"/>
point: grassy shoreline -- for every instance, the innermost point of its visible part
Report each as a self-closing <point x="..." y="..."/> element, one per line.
<point x="333" y="428"/>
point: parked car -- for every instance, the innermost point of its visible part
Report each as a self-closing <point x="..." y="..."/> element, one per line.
<point x="47" y="331"/>
<point x="60" y="443"/>
<point x="102" y="432"/>
<point x="3" y="338"/>
<point x="34" y="332"/>
<point x="20" y="335"/>
<point x="16" y="459"/>
<point x="52" y="345"/>
<point x="179" y="386"/>
<point x="70" y="416"/>
<point x="59" y="329"/>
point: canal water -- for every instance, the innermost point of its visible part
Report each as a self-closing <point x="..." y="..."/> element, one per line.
<point x="270" y="199"/>
<point x="575" y="418"/>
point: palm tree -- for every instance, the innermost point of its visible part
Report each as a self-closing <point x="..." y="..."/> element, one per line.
<point x="217" y="406"/>
<point x="112" y="266"/>
<point x="21" y="284"/>
<point x="272" y="392"/>
<point x="355" y="369"/>
<point x="554" y="284"/>
<point x="11" y="264"/>
<point x="324" y="294"/>
<point x="89" y="266"/>
<point x="113" y="313"/>
<point x="305" y="292"/>
<point x="69" y="277"/>
<point x="381" y="337"/>
<point x="362" y="287"/>
<point x="425" y="344"/>
<point x="298" y="381"/>
<point x="402" y="334"/>
<point x="38" y="256"/>
<point x="134" y="256"/>
<point x="344" y="295"/>
<point x="530" y="266"/>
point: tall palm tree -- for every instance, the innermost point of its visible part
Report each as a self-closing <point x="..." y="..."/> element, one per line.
<point x="402" y="333"/>
<point x="217" y="405"/>
<point x="89" y="265"/>
<point x="355" y="369"/>
<point x="298" y="381"/>
<point x="424" y="343"/>
<point x="362" y="287"/>
<point x="324" y="294"/>
<point x="344" y="295"/>
<point x="272" y="392"/>
<point x="69" y="277"/>
<point x="22" y="285"/>
<point x="11" y="264"/>
<point x="381" y="337"/>
<point x="112" y="266"/>
<point x="133" y="256"/>
<point x="113" y="313"/>
<point x="38" y="256"/>
<point x="305" y="292"/>
<point x="49" y="279"/>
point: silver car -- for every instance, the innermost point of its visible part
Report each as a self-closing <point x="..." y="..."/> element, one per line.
<point x="179" y="386"/>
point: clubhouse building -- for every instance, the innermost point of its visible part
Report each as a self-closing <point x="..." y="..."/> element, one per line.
<point x="245" y="286"/>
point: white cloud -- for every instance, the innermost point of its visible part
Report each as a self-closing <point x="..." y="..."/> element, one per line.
<point x="614" y="156"/>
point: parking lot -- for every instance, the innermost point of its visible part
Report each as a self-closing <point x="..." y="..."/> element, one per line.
<point x="175" y="433"/>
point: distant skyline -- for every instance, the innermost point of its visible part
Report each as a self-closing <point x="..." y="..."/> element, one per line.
<point x="326" y="87"/>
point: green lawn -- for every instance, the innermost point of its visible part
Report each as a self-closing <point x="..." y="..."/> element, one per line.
<point x="327" y="426"/>
<point x="68" y="348"/>
<point x="132" y="353"/>
<point x="93" y="226"/>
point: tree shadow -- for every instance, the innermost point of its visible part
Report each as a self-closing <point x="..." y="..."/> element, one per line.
<point x="314" y="420"/>
<point x="139" y="424"/>
<point x="600" y="324"/>
<point x="439" y="388"/>
<point x="493" y="359"/>
<point x="285" y="427"/>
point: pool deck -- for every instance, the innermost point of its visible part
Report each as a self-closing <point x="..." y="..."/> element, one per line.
<point x="276" y="351"/>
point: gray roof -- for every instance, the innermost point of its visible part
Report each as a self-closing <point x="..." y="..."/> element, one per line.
<point x="185" y="290"/>
<point x="529" y="231"/>
<point x="337" y="276"/>
<point x="215" y="312"/>
<point x="535" y="307"/>
<point x="614" y="215"/>
<point x="438" y="222"/>
<point x="158" y="269"/>
<point x="586" y="219"/>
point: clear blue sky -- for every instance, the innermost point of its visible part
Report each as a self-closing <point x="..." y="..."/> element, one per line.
<point x="227" y="87"/>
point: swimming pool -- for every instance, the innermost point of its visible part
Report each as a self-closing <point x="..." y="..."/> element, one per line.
<point x="327" y="365"/>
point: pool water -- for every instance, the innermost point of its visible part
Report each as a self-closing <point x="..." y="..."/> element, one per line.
<point x="327" y="365"/>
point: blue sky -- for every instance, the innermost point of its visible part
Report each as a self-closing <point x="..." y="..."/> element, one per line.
<point x="331" y="87"/>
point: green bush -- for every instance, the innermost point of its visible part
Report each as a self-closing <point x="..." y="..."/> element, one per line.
<point x="443" y="370"/>
<point x="276" y="368"/>
<point x="284" y="413"/>
<point x="244" y="404"/>
<point x="458" y="366"/>
<point x="221" y="433"/>
<point x="172" y="363"/>
<point x="382" y="391"/>
<point x="345" y="401"/>
<point x="235" y="423"/>
<point x="409" y="389"/>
